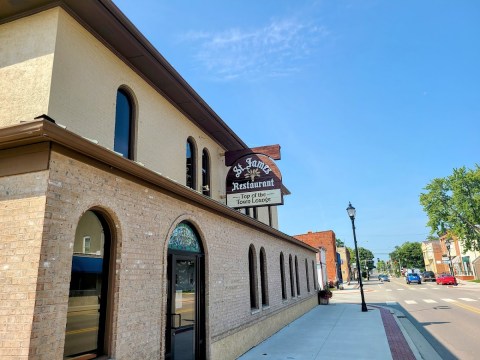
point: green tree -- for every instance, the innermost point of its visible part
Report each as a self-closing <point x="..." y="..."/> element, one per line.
<point x="452" y="205"/>
<point x="408" y="255"/>
<point x="381" y="265"/>
<point x="339" y="243"/>
<point x="366" y="258"/>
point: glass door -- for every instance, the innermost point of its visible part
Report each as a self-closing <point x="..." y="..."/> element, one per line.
<point x="182" y="306"/>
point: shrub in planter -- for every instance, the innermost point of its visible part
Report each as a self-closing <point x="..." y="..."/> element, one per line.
<point x="325" y="293"/>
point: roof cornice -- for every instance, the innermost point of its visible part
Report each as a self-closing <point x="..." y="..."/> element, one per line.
<point x="39" y="131"/>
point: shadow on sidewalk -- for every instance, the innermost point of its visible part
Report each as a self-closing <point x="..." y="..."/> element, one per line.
<point x="442" y="351"/>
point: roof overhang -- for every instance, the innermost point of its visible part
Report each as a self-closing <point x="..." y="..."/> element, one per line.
<point x="108" y="24"/>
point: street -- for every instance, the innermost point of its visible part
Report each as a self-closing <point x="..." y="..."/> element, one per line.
<point x="447" y="316"/>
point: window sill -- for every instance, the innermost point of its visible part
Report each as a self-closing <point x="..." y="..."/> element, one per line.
<point x="255" y="311"/>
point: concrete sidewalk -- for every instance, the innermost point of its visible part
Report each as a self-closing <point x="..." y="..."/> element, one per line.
<point x="337" y="331"/>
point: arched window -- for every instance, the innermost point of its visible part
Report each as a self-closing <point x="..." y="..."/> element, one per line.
<point x="191" y="180"/>
<point x="89" y="299"/>
<point x="306" y="275"/>
<point x="205" y="173"/>
<point x="292" y="283"/>
<point x="263" y="277"/>
<point x="124" y="125"/>
<point x="297" y="277"/>
<point x="252" y="271"/>
<point x="184" y="238"/>
<point x="314" y="273"/>
<point x="282" y="276"/>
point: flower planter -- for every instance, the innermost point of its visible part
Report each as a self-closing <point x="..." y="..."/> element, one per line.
<point x="324" y="301"/>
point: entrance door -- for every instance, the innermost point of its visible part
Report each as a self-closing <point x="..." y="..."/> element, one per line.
<point x="182" y="307"/>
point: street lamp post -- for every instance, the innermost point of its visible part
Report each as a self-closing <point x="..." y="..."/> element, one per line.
<point x="351" y="213"/>
<point x="447" y="244"/>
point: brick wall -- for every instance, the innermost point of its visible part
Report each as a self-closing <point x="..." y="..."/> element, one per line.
<point x="143" y="217"/>
<point x="325" y="239"/>
<point x="22" y="209"/>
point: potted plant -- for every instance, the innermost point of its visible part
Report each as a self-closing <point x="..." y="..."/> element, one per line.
<point x="324" y="296"/>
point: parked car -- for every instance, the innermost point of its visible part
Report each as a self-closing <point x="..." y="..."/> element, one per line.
<point x="446" y="279"/>
<point x="413" y="277"/>
<point x="428" y="276"/>
<point x="383" y="277"/>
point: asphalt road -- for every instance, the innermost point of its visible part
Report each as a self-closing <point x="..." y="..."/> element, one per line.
<point x="447" y="316"/>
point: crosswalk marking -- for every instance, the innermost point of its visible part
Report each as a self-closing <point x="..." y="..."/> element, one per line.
<point x="467" y="299"/>
<point x="389" y="290"/>
<point x="391" y="302"/>
<point x="429" y="301"/>
<point x="410" y="302"/>
<point x="400" y="289"/>
<point x="449" y="300"/>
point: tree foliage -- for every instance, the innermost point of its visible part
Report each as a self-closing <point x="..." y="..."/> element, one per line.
<point x="339" y="243"/>
<point x="365" y="255"/>
<point x="408" y="255"/>
<point x="452" y="205"/>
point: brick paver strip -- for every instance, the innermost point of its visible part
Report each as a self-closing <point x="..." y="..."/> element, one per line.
<point x="396" y="340"/>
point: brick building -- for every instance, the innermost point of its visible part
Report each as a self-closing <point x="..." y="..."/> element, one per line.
<point x="325" y="240"/>
<point x="115" y="239"/>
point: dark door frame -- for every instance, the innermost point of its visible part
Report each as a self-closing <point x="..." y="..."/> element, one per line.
<point x="200" y="341"/>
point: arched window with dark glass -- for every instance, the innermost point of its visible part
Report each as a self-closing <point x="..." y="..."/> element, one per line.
<point x="292" y="282"/>
<point x="306" y="275"/>
<point x="205" y="173"/>
<point x="263" y="277"/>
<point x="252" y="271"/>
<point x="191" y="155"/>
<point x="297" y="277"/>
<point x="282" y="276"/>
<point x="124" y="125"/>
<point x="91" y="285"/>
<point x="314" y="273"/>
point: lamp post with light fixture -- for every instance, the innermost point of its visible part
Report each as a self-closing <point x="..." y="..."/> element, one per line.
<point x="351" y="213"/>
<point x="448" y="243"/>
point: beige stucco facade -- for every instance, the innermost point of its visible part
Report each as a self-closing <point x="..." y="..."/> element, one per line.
<point x="73" y="77"/>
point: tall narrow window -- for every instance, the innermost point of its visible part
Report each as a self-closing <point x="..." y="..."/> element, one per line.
<point x="124" y="126"/>
<point x="297" y="277"/>
<point x="252" y="270"/>
<point x="263" y="277"/>
<point x="191" y="161"/>
<point x="306" y="275"/>
<point x="314" y="275"/>
<point x="205" y="173"/>
<point x="282" y="277"/>
<point x="292" y="283"/>
<point x="89" y="296"/>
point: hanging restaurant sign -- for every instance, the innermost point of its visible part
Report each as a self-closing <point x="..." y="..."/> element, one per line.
<point x="254" y="180"/>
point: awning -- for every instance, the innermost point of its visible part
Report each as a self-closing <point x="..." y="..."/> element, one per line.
<point x="86" y="264"/>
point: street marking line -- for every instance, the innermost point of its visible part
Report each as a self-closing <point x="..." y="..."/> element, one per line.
<point x="469" y="308"/>
<point x="411" y="302"/>
<point x="423" y="288"/>
<point x="391" y="302"/>
<point x="449" y="300"/>
<point x="430" y="301"/>
<point x="79" y="331"/>
<point x="467" y="299"/>
<point x="400" y="289"/>
<point x="389" y="290"/>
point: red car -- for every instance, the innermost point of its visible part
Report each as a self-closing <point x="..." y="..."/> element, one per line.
<point x="446" y="279"/>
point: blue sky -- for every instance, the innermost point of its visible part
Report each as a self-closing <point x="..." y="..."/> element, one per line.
<point x="370" y="100"/>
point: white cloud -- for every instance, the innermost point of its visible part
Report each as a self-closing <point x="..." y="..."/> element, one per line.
<point x="276" y="49"/>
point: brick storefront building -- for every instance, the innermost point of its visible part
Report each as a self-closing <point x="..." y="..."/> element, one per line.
<point x="326" y="240"/>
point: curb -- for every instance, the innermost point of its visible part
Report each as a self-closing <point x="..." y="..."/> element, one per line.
<point x="420" y="347"/>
